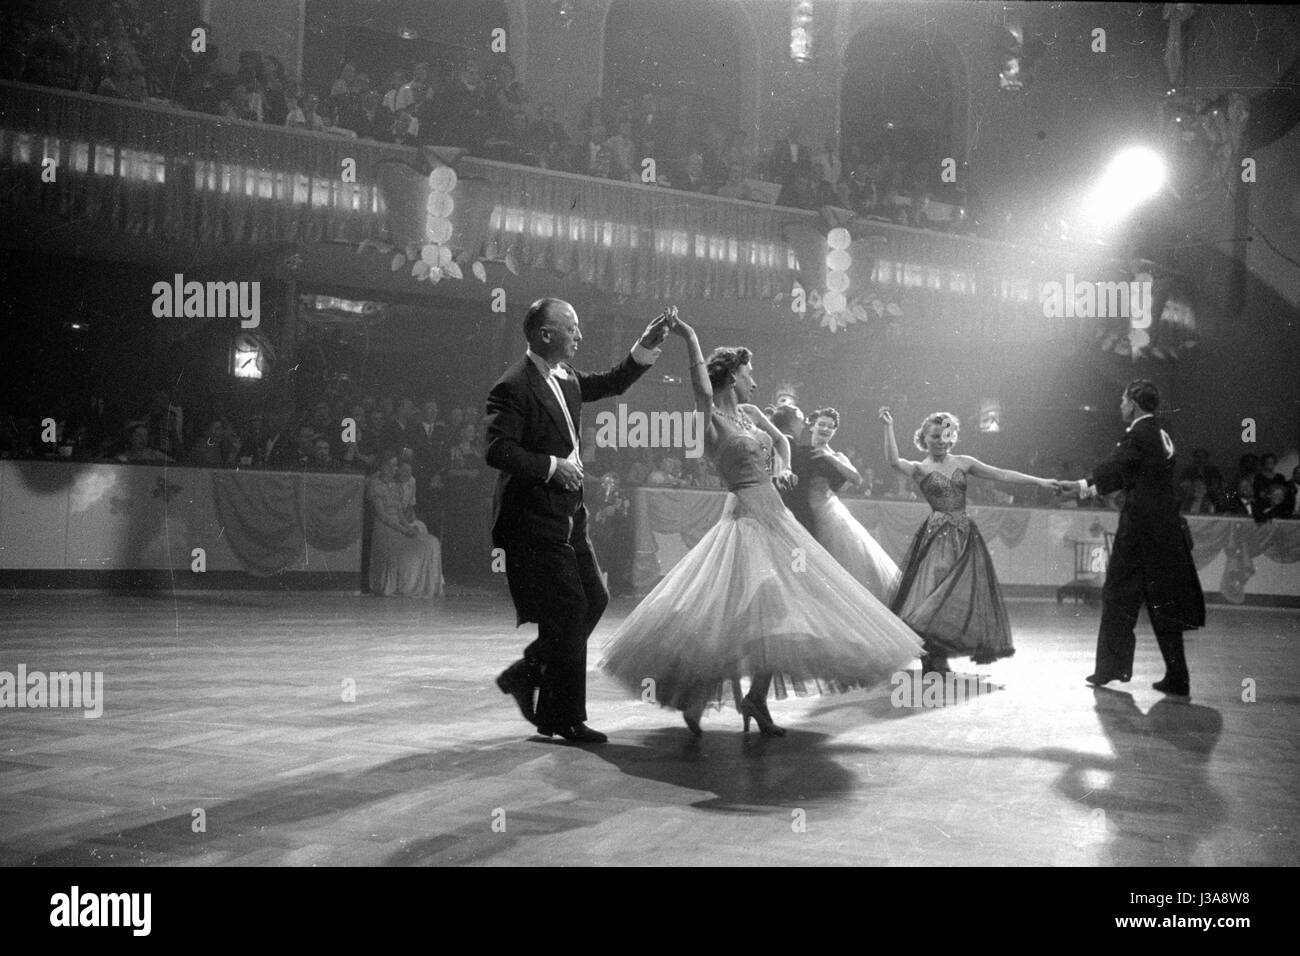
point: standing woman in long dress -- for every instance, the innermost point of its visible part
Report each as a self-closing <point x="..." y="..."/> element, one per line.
<point x="949" y="593"/>
<point x="837" y="530"/>
<point x="757" y="596"/>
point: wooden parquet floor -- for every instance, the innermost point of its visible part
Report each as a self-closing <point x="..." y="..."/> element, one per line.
<point x="232" y="704"/>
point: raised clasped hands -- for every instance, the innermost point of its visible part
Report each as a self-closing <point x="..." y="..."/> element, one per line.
<point x="786" y="479"/>
<point x="886" y="416"/>
<point x="658" y="330"/>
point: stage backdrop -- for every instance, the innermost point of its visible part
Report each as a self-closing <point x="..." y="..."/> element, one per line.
<point x="66" y="516"/>
<point x="1033" y="549"/>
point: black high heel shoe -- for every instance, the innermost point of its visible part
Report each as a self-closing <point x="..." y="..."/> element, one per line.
<point x="691" y="715"/>
<point x="756" y="710"/>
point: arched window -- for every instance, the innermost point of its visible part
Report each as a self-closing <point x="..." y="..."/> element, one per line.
<point x="903" y="98"/>
<point x="696" y="57"/>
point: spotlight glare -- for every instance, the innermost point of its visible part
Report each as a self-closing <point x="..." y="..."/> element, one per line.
<point x="1133" y="176"/>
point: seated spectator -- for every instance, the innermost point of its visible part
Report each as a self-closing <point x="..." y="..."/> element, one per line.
<point x="298" y="455"/>
<point x="368" y="118"/>
<point x="406" y="487"/>
<point x="466" y="458"/>
<point x="218" y="448"/>
<point x="826" y="164"/>
<point x="322" y="456"/>
<point x="510" y="144"/>
<point x="1293" y="493"/>
<point x="1247" y="467"/>
<point x="611" y="532"/>
<point x="642" y="464"/>
<point x="668" y="474"/>
<point x="403" y="558"/>
<point x="1265" y="475"/>
<point x="1201" y="469"/>
<point x="1197" y="501"/>
<point x="1242" y="501"/>
<point x="138" y="450"/>
<point x="1273" y="502"/>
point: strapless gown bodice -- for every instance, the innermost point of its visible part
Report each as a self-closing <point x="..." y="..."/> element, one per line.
<point x="744" y="459"/>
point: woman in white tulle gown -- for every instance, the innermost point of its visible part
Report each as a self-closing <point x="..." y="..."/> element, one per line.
<point x="837" y="530"/>
<point x="757" y="597"/>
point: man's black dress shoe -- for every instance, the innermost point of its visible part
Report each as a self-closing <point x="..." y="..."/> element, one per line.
<point x="515" y="682"/>
<point x="578" y="734"/>
<point x="1097" y="680"/>
<point x="1167" y="686"/>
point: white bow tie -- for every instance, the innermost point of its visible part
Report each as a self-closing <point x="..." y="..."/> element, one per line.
<point x="560" y="373"/>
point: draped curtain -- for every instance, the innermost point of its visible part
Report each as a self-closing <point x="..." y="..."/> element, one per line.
<point x="268" y="518"/>
<point x="182" y="177"/>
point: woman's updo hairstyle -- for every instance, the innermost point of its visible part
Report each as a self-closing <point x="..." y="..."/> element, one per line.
<point x="826" y="412"/>
<point x="723" y="363"/>
<point x="947" y="419"/>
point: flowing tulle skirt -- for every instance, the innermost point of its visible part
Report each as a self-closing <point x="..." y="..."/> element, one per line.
<point x="756" y="595"/>
<point x="852" y="546"/>
<point x="401" y="565"/>
<point x="949" y="592"/>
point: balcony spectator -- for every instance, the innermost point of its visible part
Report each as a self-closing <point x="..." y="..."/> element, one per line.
<point x="506" y="90"/>
<point x="735" y="187"/>
<point x="691" y="179"/>
<point x="342" y="86"/>
<point x="303" y="114"/>
<point x="275" y="104"/>
<point x="826" y="164"/>
<point x="510" y="144"/>
<point x="396" y="80"/>
<point x="648" y="122"/>
<point x="622" y="148"/>
<point x="714" y="153"/>
<point x="368" y="119"/>
<point x="592" y="157"/>
<point x="412" y="92"/>
<point x="1247" y="467"/>
<point x="471" y="110"/>
<point x="138" y="449"/>
<point x="549" y="141"/>
<point x="789" y="157"/>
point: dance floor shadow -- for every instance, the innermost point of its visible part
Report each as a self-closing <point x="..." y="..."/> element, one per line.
<point x="746" y="773"/>
<point x="1153" y="802"/>
<point x="320" y="800"/>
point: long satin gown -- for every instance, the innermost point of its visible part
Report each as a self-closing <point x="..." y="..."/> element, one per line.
<point x="847" y="541"/>
<point x="949" y="592"/>
<point x="756" y="595"/>
<point x="410" y="566"/>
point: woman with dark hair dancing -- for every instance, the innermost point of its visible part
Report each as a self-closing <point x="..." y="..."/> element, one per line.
<point x="757" y="596"/>
<point x="837" y="530"/>
<point x="949" y="592"/>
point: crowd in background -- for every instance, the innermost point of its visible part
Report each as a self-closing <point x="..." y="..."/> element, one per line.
<point x="477" y="103"/>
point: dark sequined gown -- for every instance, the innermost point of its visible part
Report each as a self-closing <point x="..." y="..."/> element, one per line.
<point x="949" y="591"/>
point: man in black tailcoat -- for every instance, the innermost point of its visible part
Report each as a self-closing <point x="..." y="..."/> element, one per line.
<point x="789" y="420"/>
<point x="1151" y="560"/>
<point x="539" y="520"/>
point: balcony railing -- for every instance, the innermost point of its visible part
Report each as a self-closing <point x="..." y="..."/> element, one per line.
<point x="188" y="178"/>
<point x="182" y="177"/>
